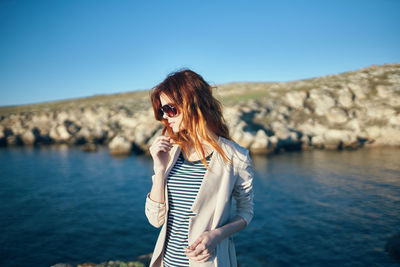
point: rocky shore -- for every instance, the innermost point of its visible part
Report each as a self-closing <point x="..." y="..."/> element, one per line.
<point x="104" y="264"/>
<point x="141" y="261"/>
<point x="343" y="111"/>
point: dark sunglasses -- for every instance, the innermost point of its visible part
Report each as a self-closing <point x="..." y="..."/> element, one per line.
<point x="171" y="111"/>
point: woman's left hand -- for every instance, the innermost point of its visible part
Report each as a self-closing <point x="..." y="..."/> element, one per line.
<point x="202" y="249"/>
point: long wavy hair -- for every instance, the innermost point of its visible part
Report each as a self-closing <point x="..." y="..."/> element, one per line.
<point x="193" y="97"/>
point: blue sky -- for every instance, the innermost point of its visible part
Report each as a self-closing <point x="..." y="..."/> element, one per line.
<point x="52" y="50"/>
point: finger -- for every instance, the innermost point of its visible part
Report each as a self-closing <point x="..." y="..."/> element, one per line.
<point x="156" y="149"/>
<point x="191" y="254"/>
<point x="205" y="259"/>
<point x="206" y="255"/>
<point x="165" y="150"/>
<point x="199" y="249"/>
<point x="166" y="144"/>
<point x="164" y="147"/>
<point x="194" y="245"/>
<point x="163" y="142"/>
<point x="162" y="137"/>
<point x="202" y="258"/>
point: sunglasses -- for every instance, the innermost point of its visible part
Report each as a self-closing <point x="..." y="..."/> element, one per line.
<point x="171" y="111"/>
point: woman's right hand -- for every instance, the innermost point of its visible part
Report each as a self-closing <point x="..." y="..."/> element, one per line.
<point x="159" y="151"/>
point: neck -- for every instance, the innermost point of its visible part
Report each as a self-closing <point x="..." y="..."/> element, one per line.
<point x="207" y="147"/>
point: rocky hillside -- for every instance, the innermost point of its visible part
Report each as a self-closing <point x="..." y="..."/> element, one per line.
<point x="343" y="111"/>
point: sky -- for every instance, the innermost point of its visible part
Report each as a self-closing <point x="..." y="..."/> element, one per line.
<point x="54" y="50"/>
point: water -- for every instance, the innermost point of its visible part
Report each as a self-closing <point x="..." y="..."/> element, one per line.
<point x="316" y="208"/>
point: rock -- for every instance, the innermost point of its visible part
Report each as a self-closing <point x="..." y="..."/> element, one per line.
<point x="98" y="134"/>
<point x="141" y="137"/>
<point x="345" y="98"/>
<point x="383" y="136"/>
<point x="41" y="121"/>
<point x="336" y="115"/>
<point x="71" y="127"/>
<point x="128" y="122"/>
<point x="295" y="99"/>
<point x="261" y="144"/>
<point x="140" y="262"/>
<point x="84" y="135"/>
<point x="62" y="116"/>
<point x="152" y="139"/>
<point x="379" y="111"/>
<point x="3" y="140"/>
<point x="145" y="259"/>
<point x="338" y="139"/>
<point x="306" y="142"/>
<point x="59" y="133"/>
<point x="241" y="136"/>
<point x="353" y="125"/>
<point x="395" y="120"/>
<point x="273" y="141"/>
<point x="312" y="128"/>
<point x="120" y="146"/>
<point x="322" y="101"/>
<point x="356" y="113"/>
<point x="89" y="147"/>
<point x="394" y="101"/>
<point x="280" y="130"/>
<point x="28" y="138"/>
<point x="282" y="109"/>
<point x="87" y="264"/>
<point x="13" y="140"/>
<point x="89" y="117"/>
<point x="360" y="90"/>
<point x="384" y="91"/>
<point x="317" y="141"/>
<point x="144" y="131"/>
<point x="232" y="116"/>
<point x="246" y="139"/>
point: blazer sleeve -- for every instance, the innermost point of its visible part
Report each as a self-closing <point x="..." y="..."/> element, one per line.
<point x="155" y="211"/>
<point x="243" y="190"/>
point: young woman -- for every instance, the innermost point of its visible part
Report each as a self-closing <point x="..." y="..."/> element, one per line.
<point x="197" y="170"/>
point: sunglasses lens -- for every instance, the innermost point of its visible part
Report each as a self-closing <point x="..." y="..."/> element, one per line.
<point x="169" y="110"/>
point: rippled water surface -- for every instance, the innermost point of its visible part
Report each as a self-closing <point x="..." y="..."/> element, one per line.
<point x="316" y="208"/>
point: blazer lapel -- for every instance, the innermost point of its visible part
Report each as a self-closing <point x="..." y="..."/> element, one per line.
<point x="209" y="185"/>
<point x="174" y="156"/>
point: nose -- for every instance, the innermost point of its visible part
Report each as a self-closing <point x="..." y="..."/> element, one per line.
<point x="165" y="116"/>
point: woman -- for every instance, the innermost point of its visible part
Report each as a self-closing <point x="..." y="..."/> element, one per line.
<point x="197" y="170"/>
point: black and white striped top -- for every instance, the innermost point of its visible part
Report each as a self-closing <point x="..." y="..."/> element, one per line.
<point x="183" y="183"/>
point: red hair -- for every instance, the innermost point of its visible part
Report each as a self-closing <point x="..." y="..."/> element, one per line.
<point x="193" y="97"/>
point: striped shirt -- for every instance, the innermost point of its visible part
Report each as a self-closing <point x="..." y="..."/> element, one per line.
<point x="183" y="183"/>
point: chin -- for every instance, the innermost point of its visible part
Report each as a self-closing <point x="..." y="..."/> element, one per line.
<point x="175" y="130"/>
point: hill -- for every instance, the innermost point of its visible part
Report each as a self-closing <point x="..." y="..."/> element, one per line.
<point x="346" y="110"/>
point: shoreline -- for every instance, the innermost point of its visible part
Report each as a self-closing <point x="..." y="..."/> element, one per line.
<point x="349" y="110"/>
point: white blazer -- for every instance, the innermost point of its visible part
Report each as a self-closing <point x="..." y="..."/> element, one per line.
<point x="212" y="206"/>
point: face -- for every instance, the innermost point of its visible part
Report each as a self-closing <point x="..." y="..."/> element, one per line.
<point x="174" y="121"/>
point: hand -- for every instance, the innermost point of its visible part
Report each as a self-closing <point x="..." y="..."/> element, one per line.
<point x="202" y="249"/>
<point x="159" y="151"/>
